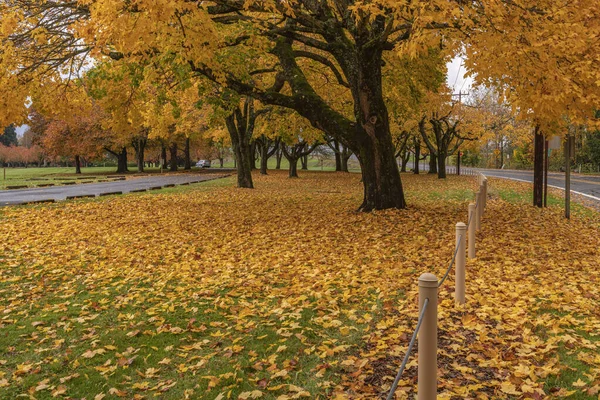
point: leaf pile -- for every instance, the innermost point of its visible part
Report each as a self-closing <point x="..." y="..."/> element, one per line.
<point x="285" y="292"/>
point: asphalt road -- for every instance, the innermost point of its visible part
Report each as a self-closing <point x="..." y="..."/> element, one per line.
<point x="583" y="184"/>
<point x="586" y="185"/>
<point x="59" y="193"/>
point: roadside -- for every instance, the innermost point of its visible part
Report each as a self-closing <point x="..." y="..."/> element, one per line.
<point x="115" y="187"/>
<point x="21" y="178"/>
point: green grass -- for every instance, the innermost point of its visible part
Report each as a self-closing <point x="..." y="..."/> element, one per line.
<point x="571" y="367"/>
<point x="32" y="177"/>
<point x="313" y="165"/>
<point x="553" y="200"/>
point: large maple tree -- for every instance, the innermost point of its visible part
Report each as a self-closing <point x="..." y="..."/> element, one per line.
<point x="265" y="51"/>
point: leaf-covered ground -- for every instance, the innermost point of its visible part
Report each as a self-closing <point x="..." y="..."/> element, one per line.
<point x="285" y="292"/>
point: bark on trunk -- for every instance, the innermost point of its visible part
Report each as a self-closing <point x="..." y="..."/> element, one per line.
<point x="404" y="164"/>
<point x="77" y="165"/>
<point x="441" y="159"/>
<point x="374" y="147"/>
<point x="344" y="160"/>
<point x="338" y="156"/>
<point x="278" y="157"/>
<point x="253" y="154"/>
<point x="163" y="157"/>
<point x="304" y="162"/>
<point x="140" y="146"/>
<point x="240" y="125"/>
<point x="264" y="158"/>
<point x="221" y="162"/>
<point x="432" y="163"/>
<point x="417" y="157"/>
<point x="293" y="170"/>
<point x="538" y="168"/>
<point x="173" y="157"/>
<point x="188" y="160"/>
<point x="122" y="161"/>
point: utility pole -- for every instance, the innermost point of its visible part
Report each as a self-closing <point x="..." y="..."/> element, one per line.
<point x="546" y="154"/>
<point x="568" y="154"/>
<point x="460" y="95"/>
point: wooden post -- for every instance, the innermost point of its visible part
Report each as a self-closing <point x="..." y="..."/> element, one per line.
<point x="427" y="363"/>
<point x="459" y="276"/>
<point x="472" y="228"/>
<point x="478" y="210"/>
<point x="485" y="193"/>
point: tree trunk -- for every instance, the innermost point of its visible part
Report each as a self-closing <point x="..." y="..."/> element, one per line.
<point x="373" y="145"/>
<point x="441" y="161"/>
<point x="122" y="161"/>
<point x="140" y="147"/>
<point x="417" y="158"/>
<point x="163" y="157"/>
<point x="278" y="157"/>
<point x="293" y="167"/>
<point x="221" y="162"/>
<point x="240" y="125"/>
<point x="538" y="168"/>
<point x="338" y="156"/>
<point x="304" y="162"/>
<point x="188" y="160"/>
<point x="77" y="165"/>
<point x="264" y="157"/>
<point x="173" y="157"/>
<point x="253" y="154"/>
<point x="344" y="161"/>
<point x="432" y="163"/>
<point x="404" y="163"/>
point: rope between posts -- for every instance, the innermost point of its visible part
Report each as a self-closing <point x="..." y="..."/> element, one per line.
<point x="441" y="282"/>
<point x="408" y="351"/>
<point x="422" y="313"/>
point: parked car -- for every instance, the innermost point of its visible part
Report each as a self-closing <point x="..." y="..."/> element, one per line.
<point x="203" y="164"/>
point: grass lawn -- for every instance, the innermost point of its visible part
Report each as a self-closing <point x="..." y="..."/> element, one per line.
<point x="282" y="292"/>
<point x="34" y="177"/>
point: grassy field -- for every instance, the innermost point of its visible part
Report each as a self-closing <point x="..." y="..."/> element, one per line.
<point x="34" y="177"/>
<point x="282" y="292"/>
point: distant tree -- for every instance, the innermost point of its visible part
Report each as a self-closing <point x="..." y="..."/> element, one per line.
<point x="9" y="137"/>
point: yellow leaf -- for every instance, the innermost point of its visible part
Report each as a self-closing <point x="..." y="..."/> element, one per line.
<point x="579" y="383"/>
<point x="509" y="388"/>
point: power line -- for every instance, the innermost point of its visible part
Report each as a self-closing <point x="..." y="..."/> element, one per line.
<point x="457" y="74"/>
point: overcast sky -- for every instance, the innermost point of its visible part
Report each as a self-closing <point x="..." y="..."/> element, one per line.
<point x="456" y="78"/>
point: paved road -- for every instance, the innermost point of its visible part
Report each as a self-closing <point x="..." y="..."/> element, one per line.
<point x="58" y="193"/>
<point x="583" y="184"/>
<point x="586" y="185"/>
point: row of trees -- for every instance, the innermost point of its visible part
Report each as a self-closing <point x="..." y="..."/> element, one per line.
<point x="358" y="72"/>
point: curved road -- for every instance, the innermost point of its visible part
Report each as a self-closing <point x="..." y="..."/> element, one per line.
<point x="58" y="193"/>
<point x="587" y="185"/>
